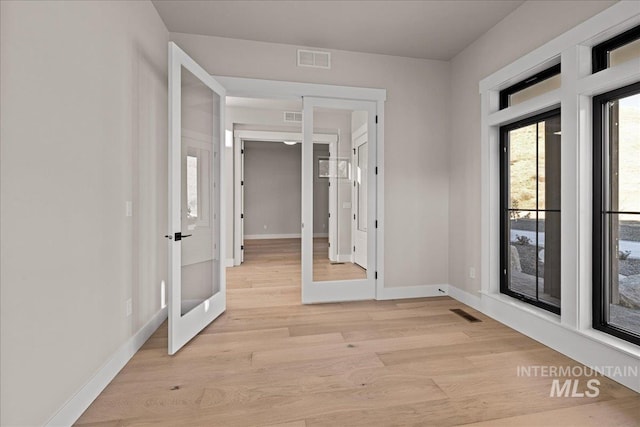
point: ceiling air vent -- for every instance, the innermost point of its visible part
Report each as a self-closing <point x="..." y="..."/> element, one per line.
<point x="314" y="59"/>
<point x="292" y="117"/>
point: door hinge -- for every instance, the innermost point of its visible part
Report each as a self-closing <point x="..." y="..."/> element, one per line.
<point x="241" y="216"/>
<point x="375" y="275"/>
<point x="354" y="183"/>
<point x="354" y="249"/>
<point x="354" y="151"/>
<point x="376" y="118"/>
<point x="241" y="182"/>
<point x="376" y="223"/>
<point x="376" y="170"/>
<point x="354" y="217"/>
<point x="242" y="247"/>
<point x="329" y="214"/>
<point x="242" y="151"/>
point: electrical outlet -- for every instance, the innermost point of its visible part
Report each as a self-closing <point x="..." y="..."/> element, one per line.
<point x="128" y="307"/>
<point x="472" y="273"/>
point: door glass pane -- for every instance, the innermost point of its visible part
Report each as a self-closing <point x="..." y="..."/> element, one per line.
<point x="622" y="221"/>
<point x="624" y="53"/>
<point x="339" y="176"/>
<point x="622" y="270"/>
<point x="200" y="139"/>
<point x="361" y="186"/>
<point x="625" y="157"/>
<point x="543" y="87"/>
<point x="522" y="167"/>
<point x="522" y="253"/>
<point x="533" y="216"/>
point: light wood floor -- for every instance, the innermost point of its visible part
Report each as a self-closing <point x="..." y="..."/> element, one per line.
<point x="271" y="361"/>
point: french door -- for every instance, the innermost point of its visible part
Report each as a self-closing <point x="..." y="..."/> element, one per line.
<point x="346" y="271"/>
<point x="197" y="294"/>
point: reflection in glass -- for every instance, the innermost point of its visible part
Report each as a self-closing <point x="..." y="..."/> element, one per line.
<point x="200" y="135"/>
<point x="522" y="167"/>
<point x="361" y="186"/>
<point x="622" y="221"/>
<point x="340" y="197"/>
<point x="192" y="187"/>
<point x="624" y="53"/>
<point x="547" y="85"/>
<point x="622" y="271"/>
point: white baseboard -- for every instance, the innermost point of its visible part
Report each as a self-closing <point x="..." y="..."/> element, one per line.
<point x="78" y="403"/>
<point x="587" y="347"/>
<point x="465" y="297"/>
<point x="231" y="262"/>
<point x="344" y="258"/>
<point x="420" y="291"/>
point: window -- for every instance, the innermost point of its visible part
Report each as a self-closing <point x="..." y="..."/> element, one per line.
<point x="616" y="213"/>
<point x="530" y="210"/>
<point x="543" y="82"/>
<point x="617" y="50"/>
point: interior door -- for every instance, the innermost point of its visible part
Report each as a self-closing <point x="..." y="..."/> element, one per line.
<point x="361" y="178"/>
<point x="196" y="146"/>
<point x="330" y="276"/>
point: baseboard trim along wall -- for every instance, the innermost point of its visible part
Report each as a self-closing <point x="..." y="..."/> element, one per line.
<point x="547" y="329"/>
<point x="420" y="291"/>
<point x="78" y="403"/>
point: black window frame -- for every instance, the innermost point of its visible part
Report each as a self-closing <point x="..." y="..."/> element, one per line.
<point x="599" y="299"/>
<point x="531" y="81"/>
<point x="505" y="260"/>
<point x="600" y="52"/>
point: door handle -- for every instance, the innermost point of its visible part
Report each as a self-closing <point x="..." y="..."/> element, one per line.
<point x="178" y="236"/>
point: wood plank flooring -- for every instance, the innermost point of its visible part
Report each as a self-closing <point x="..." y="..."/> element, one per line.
<point x="270" y="361"/>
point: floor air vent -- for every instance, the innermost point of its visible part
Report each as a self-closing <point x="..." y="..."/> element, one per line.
<point x="465" y="315"/>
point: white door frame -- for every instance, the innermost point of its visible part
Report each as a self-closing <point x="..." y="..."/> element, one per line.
<point x="239" y="138"/>
<point x="337" y="290"/>
<point x="258" y="88"/>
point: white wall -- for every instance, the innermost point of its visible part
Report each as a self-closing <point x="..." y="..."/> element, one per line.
<point x="416" y="125"/>
<point x="84" y="129"/>
<point x="531" y="25"/>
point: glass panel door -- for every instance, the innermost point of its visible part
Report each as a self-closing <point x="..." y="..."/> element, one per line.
<point x="197" y="285"/>
<point x="338" y="193"/>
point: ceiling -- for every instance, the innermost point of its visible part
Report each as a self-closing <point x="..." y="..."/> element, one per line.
<point x="417" y="29"/>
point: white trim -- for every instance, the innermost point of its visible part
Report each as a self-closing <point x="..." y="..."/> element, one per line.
<point x="537" y="105"/>
<point x="230" y="262"/>
<point x="464" y="297"/>
<point x="344" y="258"/>
<point x="73" y="408"/>
<point x="420" y="291"/>
<point x="259" y="88"/>
<point x="588" y="348"/>
<point x="262" y="135"/>
<point x="570" y="333"/>
<point x="237" y="200"/>
<point x="617" y="18"/>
